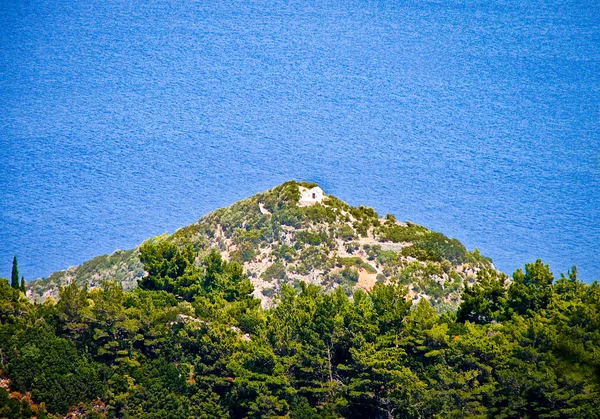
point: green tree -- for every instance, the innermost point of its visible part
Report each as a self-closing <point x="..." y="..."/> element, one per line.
<point x="73" y="311"/>
<point x="53" y="370"/>
<point x="485" y="301"/>
<point x="164" y="262"/>
<point x="196" y="343"/>
<point x="532" y="290"/>
<point x="23" y="286"/>
<point x="14" y="277"/>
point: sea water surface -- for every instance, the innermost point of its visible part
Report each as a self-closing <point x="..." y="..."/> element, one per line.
<point x="120" y="120"/>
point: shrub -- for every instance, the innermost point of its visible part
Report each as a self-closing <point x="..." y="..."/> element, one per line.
<point x="244" y="253"/>
<point x="275" y="271"/>
<point x="310" y="237"/>
<point x="437" y="247"/>
<point x="288" y="217"/>
<point x="312" y="257"/>
<point x="372" y="251"/>
<point x="476" y="257"/>
<point x="284" y="252"/>
<point x="194" y="233"/>
<point x="250" y="236"/>
<point x="356" y="262"/>
<point x="352" y="247"/>
<point x="345" y="233"/>
<point x="362" y="228"/>
<point x="397" y="233"/>
<point x="319" y="214"/>
<point x="364" y="213"/>
<point x="388" y="257"/>
<point x="349" y="275"/>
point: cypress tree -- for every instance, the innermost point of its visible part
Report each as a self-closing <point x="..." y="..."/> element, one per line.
<point x="23" y="285"/>
<point x="14" y="277"/>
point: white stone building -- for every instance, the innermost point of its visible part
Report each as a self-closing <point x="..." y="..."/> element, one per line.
<point x="310" y="196"/>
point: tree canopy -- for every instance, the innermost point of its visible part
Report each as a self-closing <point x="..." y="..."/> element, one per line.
<point x="191" y="341"/>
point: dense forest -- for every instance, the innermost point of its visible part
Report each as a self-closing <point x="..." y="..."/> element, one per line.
<point x="191" y="341"/>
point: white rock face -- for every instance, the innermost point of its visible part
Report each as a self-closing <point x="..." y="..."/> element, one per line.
<point x="263" y="210"/>
<point x="310" y="196"/>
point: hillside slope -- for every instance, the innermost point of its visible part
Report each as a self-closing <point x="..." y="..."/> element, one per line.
<point x="295" y="232"/>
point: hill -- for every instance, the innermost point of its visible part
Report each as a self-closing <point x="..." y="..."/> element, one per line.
<point x="191" y="340"/>
<point x="296" y="233"/>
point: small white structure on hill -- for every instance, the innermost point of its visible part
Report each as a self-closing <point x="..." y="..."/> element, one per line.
<point x="310" y="196"/>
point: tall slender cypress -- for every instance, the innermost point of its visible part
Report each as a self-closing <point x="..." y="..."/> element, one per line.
<point x="14" y="277"/>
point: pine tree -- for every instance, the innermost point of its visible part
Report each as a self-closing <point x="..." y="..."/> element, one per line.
<point x="23" y="285"/>
<point x="14" y="278"/>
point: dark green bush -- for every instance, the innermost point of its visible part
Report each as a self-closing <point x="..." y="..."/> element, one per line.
<point x="356" y="262"/>
<point x="311" y="237"/>
<point x="437" y="247"/>
<point x="345" y="233"/>
<point x="275" y="271"/>
<point x="285" y="252"/>
<point x="319" y="214"/>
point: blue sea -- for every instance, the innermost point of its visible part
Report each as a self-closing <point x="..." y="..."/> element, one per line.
<point x="121" y="120"/>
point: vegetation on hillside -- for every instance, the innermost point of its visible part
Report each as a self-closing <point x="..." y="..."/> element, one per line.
<point x="191" y="341"/>
<point x="123" y="266"/>
<point x="277" y="241"/>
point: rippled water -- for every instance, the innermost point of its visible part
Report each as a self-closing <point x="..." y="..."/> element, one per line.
<point x="123" y="120"/>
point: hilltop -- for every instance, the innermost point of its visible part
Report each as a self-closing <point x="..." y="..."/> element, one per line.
<point x="297" y="233"/>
